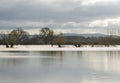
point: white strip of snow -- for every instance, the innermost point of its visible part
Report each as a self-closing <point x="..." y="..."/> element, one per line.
<point x="19" y="56"/>
<point x="56" y="48"/>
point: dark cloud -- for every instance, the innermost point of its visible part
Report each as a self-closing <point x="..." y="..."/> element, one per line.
<point x="68" y="11"/>
<point x="17" y="13"/>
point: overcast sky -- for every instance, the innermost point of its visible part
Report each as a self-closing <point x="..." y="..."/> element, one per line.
<point x="72" y="16"/>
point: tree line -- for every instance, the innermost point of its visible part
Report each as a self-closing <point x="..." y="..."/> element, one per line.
<point x="47" y="36"/>
<point x="21" y="37"/>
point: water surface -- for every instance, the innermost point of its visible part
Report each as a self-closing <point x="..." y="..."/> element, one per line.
<point x="60" y="67"/>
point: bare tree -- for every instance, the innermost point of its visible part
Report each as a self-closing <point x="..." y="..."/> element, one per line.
<point x="93" y="41"/>
<point x="59" y="40"/>
<point x="5" y="38"/>
<point x="47" y="35"/>
<point x="78" y="42"/>
<point x="35" y="39"/>
<point x="17" y="36"/>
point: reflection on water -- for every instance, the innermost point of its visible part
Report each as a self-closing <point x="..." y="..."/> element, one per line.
<point x="60" y="67"/>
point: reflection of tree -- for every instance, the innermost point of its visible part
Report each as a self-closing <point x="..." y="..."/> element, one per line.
<point x="51" y="57"/>
<point x="51" y="53"/>
<point x="109" y="53"/>
<point x="80" y="54"/>
<point x="113" y="61"/>
<point x="113" y="53"/>
<point x="13" y="62"/>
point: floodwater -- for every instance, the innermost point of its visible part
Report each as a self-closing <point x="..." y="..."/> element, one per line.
<point x="60" y="67"/>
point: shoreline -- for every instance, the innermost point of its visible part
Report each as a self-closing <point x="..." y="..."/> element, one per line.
<point x="56" y="48"/>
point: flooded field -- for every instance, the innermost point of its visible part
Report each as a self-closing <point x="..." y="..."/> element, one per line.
<point x="60" y="67"/>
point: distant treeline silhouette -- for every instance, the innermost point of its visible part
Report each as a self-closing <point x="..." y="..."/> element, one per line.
<point x="47" y="36"/>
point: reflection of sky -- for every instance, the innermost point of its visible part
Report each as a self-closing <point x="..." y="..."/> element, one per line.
<point x="104" y="61"/>
<point x="60" y="67"/>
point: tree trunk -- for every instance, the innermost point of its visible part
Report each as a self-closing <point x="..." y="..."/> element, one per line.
<point x="7" y="46"/>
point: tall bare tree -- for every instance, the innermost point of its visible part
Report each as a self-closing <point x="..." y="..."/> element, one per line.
<point x="17" y="36"/>
<point x="59" y="39"/>
<point x="5" y="38"/>
<point x="47" y="35"/>
<point x="79" y="41"/>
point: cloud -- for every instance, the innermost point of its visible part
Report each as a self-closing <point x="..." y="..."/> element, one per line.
<point x="56" y="10"/>
<point x="97" y="2"/>
<point x="105" y="22"/>
<point x="64" y="15"/>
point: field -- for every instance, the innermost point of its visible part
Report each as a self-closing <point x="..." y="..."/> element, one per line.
<point x="56" y="48"/>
